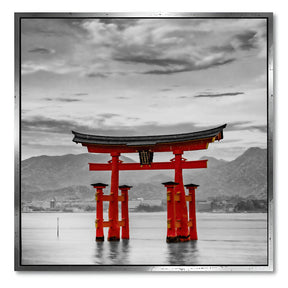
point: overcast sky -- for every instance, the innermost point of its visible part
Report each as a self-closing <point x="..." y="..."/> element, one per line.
<point x="143" y="77"/>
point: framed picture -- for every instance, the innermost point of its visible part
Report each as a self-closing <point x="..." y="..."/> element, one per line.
<point x="144" y="141"/>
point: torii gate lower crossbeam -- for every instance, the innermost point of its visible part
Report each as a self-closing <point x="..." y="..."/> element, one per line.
<point x="153" y="166"/>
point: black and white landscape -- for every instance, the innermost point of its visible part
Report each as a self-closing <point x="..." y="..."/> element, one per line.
<point x="143" y="76"/>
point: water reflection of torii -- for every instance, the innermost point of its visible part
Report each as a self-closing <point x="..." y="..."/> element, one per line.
<point x="179" y="228"/>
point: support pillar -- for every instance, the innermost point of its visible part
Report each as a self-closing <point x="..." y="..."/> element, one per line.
<point x="192" y="211"/>
<point x="182" y="231"/>
<point x="171" y="212"/>
<point x="114" y="229"/>
<point x="99" y="210"/>
<point x="124" y="211"/>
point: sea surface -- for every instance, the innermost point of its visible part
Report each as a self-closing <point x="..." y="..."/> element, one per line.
<point x="224" y="239"/>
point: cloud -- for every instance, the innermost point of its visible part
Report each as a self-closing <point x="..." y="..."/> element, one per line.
<point x="174" y="45"/>
<point x="55" y="66"/>
<point x="43" y="127"/>
<point x="121" y="24"/>
<point x="150" y="60"/>
<point x="247" y="40"/>
<point x="228" y="48"/>
<point x="190" y="66"/>
<point x="52" y="27"/>
<point x="41" y="50"/>
<point x="237" y="125"/>
<point x="68" y="100"/>
<point x="245" y="125"/>
<point x="108" y="115"/>
<point x="214" y="95"/>
<point x="261" y="128"/>
<point x="134" y="118"/>
<point x="98" y="48"/>
<point x="80" y="94"/>
<point x="96" y="75"/>
<point x="64" y="126"/>
<point x="44" y="124"/>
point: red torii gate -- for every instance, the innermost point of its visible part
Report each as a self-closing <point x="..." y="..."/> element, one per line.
<point x="177" y="215"/>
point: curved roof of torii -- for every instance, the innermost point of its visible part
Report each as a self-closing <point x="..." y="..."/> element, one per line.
<point x="148" y="140"/>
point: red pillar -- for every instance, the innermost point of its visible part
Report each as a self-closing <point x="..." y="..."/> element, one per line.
<point x="171" y="212"/>
<point x="182" y="232"/>
<point x="192" y="211"/>
<point x="124" y="211"/>
<point x="114" y="229"/>
<point x="99" y="210"/>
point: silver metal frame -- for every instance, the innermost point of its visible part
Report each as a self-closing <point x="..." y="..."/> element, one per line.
<point x="142" y="268"/>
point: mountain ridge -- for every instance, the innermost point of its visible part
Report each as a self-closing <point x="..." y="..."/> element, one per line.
<point x="245" y="176"/>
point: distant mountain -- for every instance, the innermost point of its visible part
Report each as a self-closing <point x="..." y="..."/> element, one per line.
<point x="213" y="162"/>
<point x="67" y="176"/>
<point x="55" y="172"/>
<point x="245" y="176"/>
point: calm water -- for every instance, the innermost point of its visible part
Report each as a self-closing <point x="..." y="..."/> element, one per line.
<point x="224" y="239"/>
